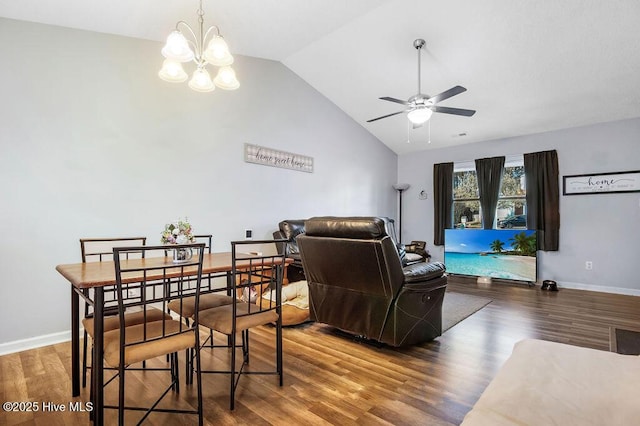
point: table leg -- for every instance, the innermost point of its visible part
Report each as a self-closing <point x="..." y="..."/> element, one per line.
<point x="75" y="342"/>
<point x="97" y="362"/>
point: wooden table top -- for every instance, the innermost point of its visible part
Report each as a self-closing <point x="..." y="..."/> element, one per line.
<point x="99" y="274"/>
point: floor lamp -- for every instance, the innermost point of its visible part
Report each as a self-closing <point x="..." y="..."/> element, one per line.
<point x="400" y="187"/>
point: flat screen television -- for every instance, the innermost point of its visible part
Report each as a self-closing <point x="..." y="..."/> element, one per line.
<point x="508" y="254"/>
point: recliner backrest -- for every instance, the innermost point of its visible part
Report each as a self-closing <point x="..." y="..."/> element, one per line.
<point x="357" y="283"/>
<point x="354" y="253"/>
<point x="353" y="271"/>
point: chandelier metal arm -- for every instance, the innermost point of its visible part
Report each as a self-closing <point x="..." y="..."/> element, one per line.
<point x="193" y="42"/>
<point x="198" y="43"/>
<point x="186" y="25"/>
<point x="213" y="27"/>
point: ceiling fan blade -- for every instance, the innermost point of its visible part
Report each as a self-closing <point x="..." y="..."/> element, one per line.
<point x="398" y="101"/>
<point x="447" y="94"/>
<point x="385" y="116"/>
<point x="454" y="111"/>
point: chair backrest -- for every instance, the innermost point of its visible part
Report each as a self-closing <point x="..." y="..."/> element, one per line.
<point x="354" y="253"/>
<point x="100" y="249"/>
<point x="288" y="231"/>
<point x="353" y="270"/>
<point x="254" y="274"/>
<point x="206" y="239"/>
<point x="160" y="280"/>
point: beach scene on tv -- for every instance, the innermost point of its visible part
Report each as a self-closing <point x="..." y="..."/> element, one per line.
<point x="507" y="254"/>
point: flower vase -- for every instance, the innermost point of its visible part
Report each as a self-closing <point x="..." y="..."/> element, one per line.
<point x="182" y="255"/>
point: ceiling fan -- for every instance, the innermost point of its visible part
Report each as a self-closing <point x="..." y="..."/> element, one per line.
<point x="421" y="106"/>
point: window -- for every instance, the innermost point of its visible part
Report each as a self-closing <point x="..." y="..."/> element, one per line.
<point x="511" y="210"/>
<point x="466" y="200"/>
<point x="512" y="202"/>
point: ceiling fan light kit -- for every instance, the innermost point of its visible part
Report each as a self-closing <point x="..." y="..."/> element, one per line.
<point x="420" y="107"/>
<point x="420" y="115"/>
<point x="180" y="49"/>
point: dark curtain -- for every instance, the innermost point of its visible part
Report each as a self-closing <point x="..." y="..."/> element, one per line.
<point x="442" y="200"/>
<point x="543" y="197"/>
<point x="489" y="172"/>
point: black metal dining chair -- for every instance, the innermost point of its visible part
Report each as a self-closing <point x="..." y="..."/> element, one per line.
<point x="211" y="297"/>
<point x="163" y="282"/>
<point x="249" y="270"/>
<point x="98" y="250"/>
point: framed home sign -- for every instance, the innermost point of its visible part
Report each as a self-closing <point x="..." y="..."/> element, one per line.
<point x="272" y="157"/>
<point x="599" y="183"/>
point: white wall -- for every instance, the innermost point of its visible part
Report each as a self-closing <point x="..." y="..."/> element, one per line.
<point x="94" y="144"/>
<point x="602" y="228"/>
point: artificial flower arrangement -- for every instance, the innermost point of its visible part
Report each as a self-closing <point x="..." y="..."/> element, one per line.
<point x="178" y="232"/>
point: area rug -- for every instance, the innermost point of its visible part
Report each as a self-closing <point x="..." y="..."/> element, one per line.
<point x="458" y="306"/>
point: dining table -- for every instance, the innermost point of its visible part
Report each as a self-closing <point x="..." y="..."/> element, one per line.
<point x="90" y="280"/>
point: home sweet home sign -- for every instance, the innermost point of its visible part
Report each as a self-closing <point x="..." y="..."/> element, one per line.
<point x="275" y="158"/>
<point x="598" y="183"/>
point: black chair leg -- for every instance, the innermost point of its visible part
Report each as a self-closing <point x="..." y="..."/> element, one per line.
<point x="84" y="360"/>
<point x="176" y="368"/>
<point x="232" y="376"/>
<point x="189" y="366"/>
<point x="245" y="346"/>
<point x="172" y="372"/>
<point x="199" y="378"/>
<point x="121" y="395"/>
<point x="279" y="352"/>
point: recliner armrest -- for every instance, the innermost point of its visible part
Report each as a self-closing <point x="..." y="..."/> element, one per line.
<point x="423" y="271"/>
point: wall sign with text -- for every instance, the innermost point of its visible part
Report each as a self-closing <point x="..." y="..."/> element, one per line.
<point x="601" y="183"/>
<point x="273" y="157"/>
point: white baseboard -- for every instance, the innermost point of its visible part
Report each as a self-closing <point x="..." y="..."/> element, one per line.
<point x="48" y="339"/>
<point x="599" y="288"/>
<point x="34" y="342"/>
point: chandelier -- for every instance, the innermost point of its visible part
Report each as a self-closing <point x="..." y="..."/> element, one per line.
<point x="180" y="49"/>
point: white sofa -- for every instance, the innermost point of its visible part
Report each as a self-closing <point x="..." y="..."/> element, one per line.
<point x="547" y="383"/>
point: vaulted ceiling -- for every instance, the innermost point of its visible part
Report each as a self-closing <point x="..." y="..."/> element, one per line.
<point x="528" y="66"/>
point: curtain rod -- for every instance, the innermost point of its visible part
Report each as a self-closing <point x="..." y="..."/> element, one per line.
<point x="471" y="164"/>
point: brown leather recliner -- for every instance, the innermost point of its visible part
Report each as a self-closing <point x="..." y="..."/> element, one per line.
<point x="357" y="282"/>
<point x="289" y="230"/>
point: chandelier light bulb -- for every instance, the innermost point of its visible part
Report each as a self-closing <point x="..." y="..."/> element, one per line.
<point x="172" y="72"/>
<point x="177" y="48"/>
<point x="217" y="52"/>
<point x="420" y="115"/>
<point x="201" y="81"/>
<point x="226" y="79"/>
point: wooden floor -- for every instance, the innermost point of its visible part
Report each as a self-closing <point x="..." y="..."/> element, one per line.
<point x="330" y="379"/>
